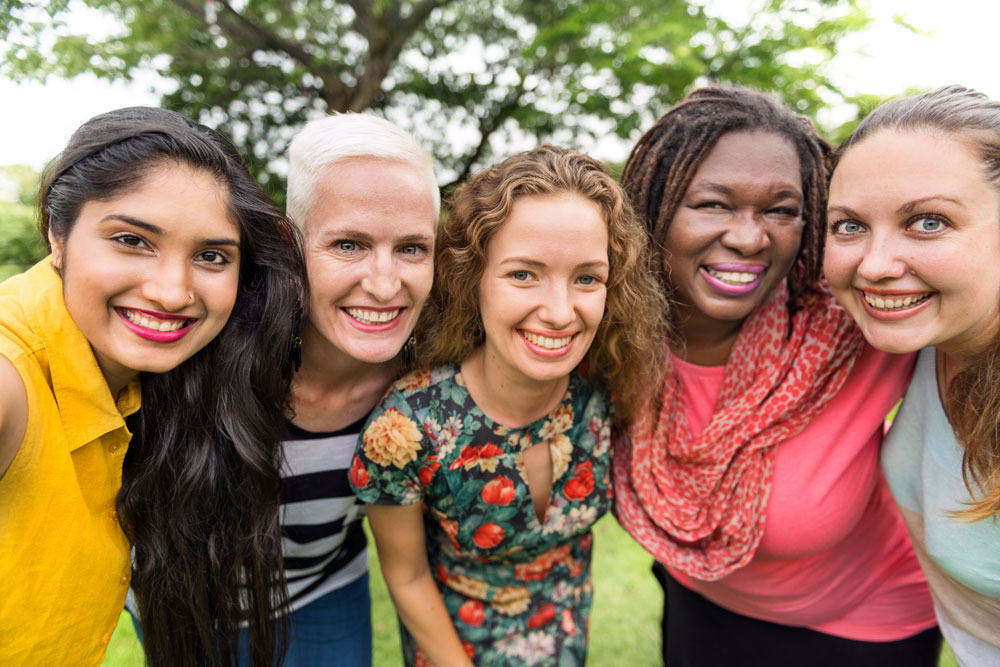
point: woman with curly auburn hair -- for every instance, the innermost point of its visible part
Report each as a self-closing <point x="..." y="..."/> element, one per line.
<point x="751" y="473"/>
<point x="543" y="308"/>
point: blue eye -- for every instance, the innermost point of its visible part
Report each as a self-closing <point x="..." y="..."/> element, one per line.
<point x="587" y="280"/>
<point x="927" y="225"/>
<point x="846" y="227"/>
<point x="521" y="275"/>
<point x="346" y="246"/>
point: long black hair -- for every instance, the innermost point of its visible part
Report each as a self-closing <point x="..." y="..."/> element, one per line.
<point x="200" y="485"/>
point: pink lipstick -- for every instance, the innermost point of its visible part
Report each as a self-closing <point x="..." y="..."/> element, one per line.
<point x="153" y="334"/>
<point x="733" y="279"/>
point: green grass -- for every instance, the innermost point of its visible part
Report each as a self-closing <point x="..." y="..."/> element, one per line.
<point x="624" y="622"/>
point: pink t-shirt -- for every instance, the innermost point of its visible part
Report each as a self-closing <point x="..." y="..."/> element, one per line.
<point x="835" y="555"/>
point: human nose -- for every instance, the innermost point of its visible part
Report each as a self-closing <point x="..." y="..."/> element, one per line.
<point x="881" y="260"/>
<point x="170" y="286"/>
<point x="382" y="279"/>
<point x="746" y="235"/>
<point x="557" y="309"/>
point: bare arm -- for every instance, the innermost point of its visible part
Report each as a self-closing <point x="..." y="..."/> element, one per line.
<point x="402" y="552"/>
<point x="13" y="413"/>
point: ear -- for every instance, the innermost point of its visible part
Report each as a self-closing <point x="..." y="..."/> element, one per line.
<point x="58" y="249"/>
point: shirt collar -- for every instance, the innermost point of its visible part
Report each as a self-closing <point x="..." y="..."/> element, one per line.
<point x="86" y="408"/>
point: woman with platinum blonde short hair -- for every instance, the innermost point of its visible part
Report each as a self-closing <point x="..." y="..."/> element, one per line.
<point x="913" y="253"/>
<point x="364" y="194"/>
<point x="484" y="471"/>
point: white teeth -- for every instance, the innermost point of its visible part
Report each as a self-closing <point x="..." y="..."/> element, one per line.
<point x="894" y="304"/>
<point x="154" y="323"/>
<point x="373" y="316"/>
<point x="734" y="277"/>
<point x="546" y="342"/>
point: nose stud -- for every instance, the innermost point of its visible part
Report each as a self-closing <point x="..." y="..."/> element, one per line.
<point x="190" y="296"/>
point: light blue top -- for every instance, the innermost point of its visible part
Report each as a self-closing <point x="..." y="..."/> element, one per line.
<point x="922" y="462"/>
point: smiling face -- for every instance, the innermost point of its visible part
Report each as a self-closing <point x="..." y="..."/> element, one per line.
<point x="913" y="244"/>
<point x="369" y="239"/>
<point x="150" y="277"/>
<point x="737" y="230"/>
<point x="542" y="293"/>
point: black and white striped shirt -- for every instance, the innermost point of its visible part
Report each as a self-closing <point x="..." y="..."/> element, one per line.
<point x="323" y="544"/>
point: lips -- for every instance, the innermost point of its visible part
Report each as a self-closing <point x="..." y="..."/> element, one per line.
<point x="154" y="326"/>
<point x="373" y="320"/>
<point x="893" y="306"/>
<point x="547" y="345"/>
<point x="733" y="279"/>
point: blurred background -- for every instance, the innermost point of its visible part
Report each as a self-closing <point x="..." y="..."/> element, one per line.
<point x="475" y="81"/>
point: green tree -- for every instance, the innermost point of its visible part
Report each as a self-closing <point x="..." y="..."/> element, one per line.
<point x="20" y="244"/>
<point x="471" y="78"/>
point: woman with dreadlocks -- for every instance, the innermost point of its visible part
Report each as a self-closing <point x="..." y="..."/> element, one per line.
<point x="771" y="407"/>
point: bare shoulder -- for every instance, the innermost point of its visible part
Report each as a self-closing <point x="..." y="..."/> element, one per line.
<point x="13" y="413"/>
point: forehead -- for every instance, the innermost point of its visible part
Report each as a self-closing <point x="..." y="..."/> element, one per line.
<point x="909" y="162"/>
<point x="561" y="226"/>
<point x="753" y="156"/>
<point x="374" y="195"/>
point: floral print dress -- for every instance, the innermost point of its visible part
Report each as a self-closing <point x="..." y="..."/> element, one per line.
<point x="518" y="591"/>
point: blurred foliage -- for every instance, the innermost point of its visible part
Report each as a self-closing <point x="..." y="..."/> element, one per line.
<point x="473" y="79"/>
<point x="20" y="244"/>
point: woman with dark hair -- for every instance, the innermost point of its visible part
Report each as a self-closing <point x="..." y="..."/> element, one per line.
<point x="174" y="280"/>
<point x="913" y="253"/>
<point x="504" y="441"/>
<point x="771" y="408"/>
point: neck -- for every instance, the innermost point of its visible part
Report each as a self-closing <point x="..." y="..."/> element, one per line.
<point x="327" y="369"/>
<point x="508" y="397"/>
<point x="706" y="342"/>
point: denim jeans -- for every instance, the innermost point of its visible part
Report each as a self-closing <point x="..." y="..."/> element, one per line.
<point x="334" y="630"/>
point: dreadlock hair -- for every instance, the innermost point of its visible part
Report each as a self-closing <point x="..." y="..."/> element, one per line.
<point x="664" y="161"/>
<point x="627" y="350"/>
<point x="972" y="399"/>
<point x="200" y="485"/>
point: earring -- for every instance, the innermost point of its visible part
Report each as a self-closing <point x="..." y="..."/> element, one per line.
<point x="409" y="352"/>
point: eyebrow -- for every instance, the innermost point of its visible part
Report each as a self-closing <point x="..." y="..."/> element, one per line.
<point x="791" y="193"/>
<point x="527" y="261"/>
<point x="154" y="229"/>
<point x="365" y="237"/>
<point x="910" y="206"/>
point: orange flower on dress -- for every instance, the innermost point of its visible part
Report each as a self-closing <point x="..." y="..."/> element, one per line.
<point x="392" y="438"/>
<point x="581" y="484"/>
<point x="483" y="455"/>
<point x="544" y="614"/>
<point x="539" y="568"/>
<point x="498" y="491"/>
<point x="413" y="381"/>
<point x="488" y="535"/>
<point x="426" y="473"/>
<point x="568" y="626"/>
<point x="471" y="612"/>
<point x="359" y="476"/>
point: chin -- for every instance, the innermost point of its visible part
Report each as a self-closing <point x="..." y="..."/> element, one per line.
<point x="895" y="342"/>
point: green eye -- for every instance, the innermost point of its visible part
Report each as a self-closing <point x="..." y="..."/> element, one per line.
<point x="928" y="225"/>
<point x="520" y="275"/>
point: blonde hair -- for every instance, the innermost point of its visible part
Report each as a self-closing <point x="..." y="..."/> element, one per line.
<point x="628" y="350"/>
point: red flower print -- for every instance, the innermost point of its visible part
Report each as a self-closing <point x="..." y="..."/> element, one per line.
<point x="568" y="626"/>
<point x="498" y="491"/>
<point x="426" y="473"/>
<point x="539" y="568"/>
<point x="359" y="476"/>
<point x="488" y="535"/>
<point x="470" y="650"/>
<point x="586" y="541"/>
<point x="442" y="573"/>
<point x="471" y="454"/>
<point x="471" y="612"/>
<point x="581" y="484"/>
<point x="545" y="614"/>
<point x="420" y="659"/>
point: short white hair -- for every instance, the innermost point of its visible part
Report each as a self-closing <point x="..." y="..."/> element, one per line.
<point x="331" y="139"/>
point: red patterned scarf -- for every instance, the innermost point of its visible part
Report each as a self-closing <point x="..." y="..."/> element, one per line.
<point x="698" y="503"/>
